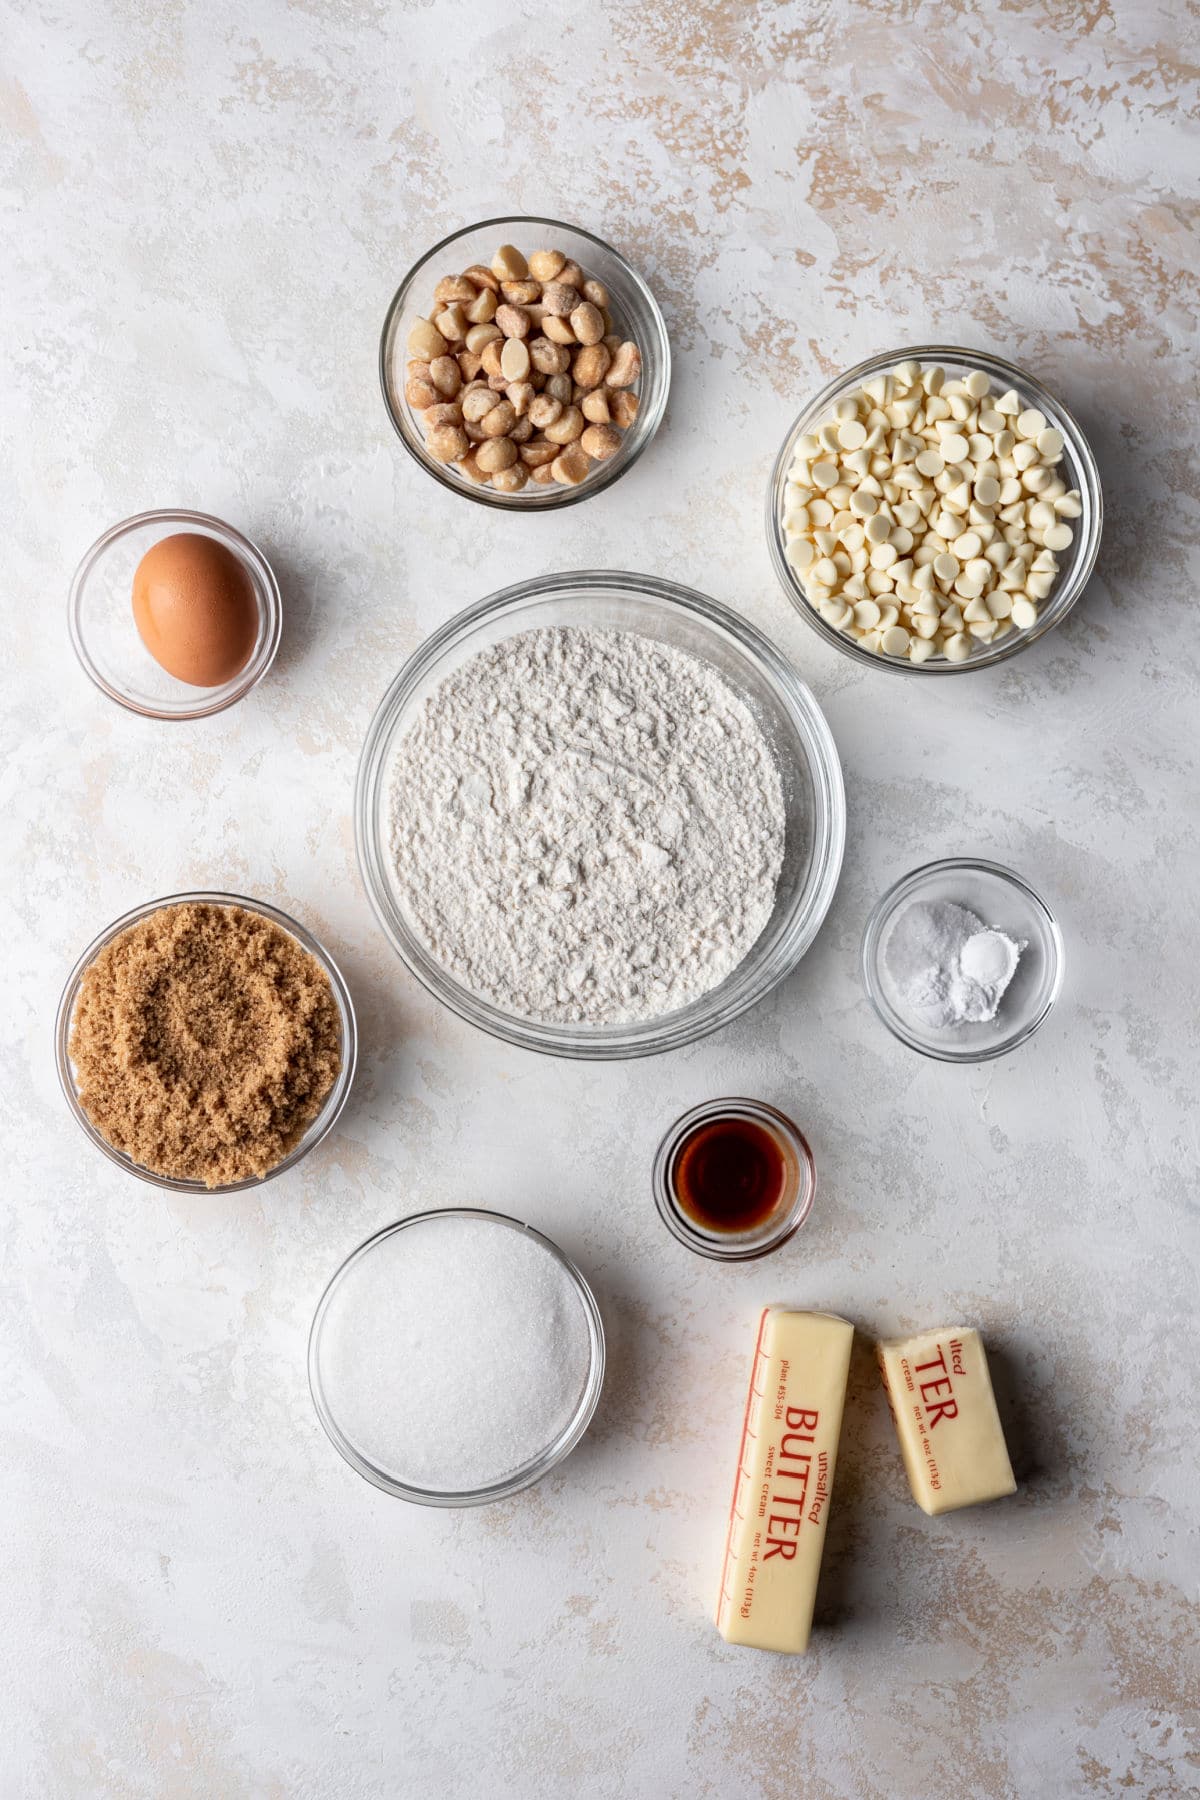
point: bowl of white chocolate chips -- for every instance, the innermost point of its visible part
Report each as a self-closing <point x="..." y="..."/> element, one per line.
<point x="934" y="510"/>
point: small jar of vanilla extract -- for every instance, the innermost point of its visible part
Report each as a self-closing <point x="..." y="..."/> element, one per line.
<point x="734" y="1179"/>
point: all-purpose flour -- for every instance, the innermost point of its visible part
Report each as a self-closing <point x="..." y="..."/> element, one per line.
<point x="587" y="826"/>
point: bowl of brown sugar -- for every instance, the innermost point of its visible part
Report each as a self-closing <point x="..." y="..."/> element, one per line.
<point x="206" y="1042"/>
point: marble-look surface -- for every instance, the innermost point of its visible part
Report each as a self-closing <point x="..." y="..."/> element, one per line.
<point x="206" y="209"/>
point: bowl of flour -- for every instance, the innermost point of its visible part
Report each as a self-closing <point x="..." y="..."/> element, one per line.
<point x="599" y="815"/>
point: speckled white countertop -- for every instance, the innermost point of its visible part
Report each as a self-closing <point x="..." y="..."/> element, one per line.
<point x="206" y="209"/>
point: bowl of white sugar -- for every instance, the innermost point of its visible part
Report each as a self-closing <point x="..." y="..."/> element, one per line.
<point x="599" y="815"/>
<point x="456" y="1357"/>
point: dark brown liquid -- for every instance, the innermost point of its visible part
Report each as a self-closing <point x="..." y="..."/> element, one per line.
<point x="733" y="1174"/>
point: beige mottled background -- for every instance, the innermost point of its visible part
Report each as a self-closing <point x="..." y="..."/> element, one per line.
<point x="206" y="209"/>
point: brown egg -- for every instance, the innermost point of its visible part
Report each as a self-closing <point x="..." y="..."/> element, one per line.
<point x="195" y="609"/>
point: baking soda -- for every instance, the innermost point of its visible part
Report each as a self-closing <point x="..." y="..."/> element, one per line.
<point x="949" y="967"/>
<point x="454" y="1352"/>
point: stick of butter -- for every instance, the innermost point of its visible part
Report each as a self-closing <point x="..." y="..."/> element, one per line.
<point x="784" y="1479"/>
<point x="940" y="1393"/>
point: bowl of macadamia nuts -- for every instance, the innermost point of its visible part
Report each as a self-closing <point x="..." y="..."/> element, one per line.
<point x="524" y="363"/>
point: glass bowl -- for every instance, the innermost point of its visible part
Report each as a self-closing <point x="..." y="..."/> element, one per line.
<point x="1004" y="903"/>
<point x="783" y="1223"/>
<point x="340" y="1293"/>
<point x="792" y="722"/>
<point x="635" y="314"/>
<point x="106" y="640"/>
<point x="1078" y="469"/>
<point x="334" y="1102"/>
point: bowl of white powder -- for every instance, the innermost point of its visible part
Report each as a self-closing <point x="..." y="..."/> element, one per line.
<point x="599" y="815"/>
<point x="962" y="960"/>
<point x="456" y="1357"/>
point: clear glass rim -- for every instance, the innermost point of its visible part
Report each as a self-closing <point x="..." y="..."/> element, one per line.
<point x="677" y="1222"/>
<point x="335" y="1100"/>
<point x="272" y="624"/>
<point x="532" y="1471"/>
<point x="1084" y="551"/>
<point x="644" y="427"/>
<point x="641" y="1037"/>
<point x="886" y="905"/>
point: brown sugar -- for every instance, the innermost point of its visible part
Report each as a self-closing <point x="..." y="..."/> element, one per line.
<point x="205" y="1040"/>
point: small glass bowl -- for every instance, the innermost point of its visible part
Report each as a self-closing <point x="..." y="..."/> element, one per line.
<point x="335" y="1100"/>
<point x="813" y="795"/>
<point x="1078" y="469"/>
<point x="784" y="1222"/>
<point x="521" y="1478"/>
<point x="1004" y="903"/>
<point x="635" y="313"/>
<point x="107" y="642"/>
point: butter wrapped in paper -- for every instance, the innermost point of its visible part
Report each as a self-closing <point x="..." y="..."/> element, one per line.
<point x="784" y="1479"/>
<point x="950" y="1434"/>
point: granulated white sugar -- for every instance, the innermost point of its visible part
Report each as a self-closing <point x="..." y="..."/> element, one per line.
<point x="453" y="1352"/>
<point x="587" y="826"/>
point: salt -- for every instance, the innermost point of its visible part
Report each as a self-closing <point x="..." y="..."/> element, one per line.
<point x="454" y="1352"/>
<point x="950" y="969"/>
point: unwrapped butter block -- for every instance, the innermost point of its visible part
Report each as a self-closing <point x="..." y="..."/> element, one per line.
<point x="784" y="1479"/>
<point x="950" y="1434"/>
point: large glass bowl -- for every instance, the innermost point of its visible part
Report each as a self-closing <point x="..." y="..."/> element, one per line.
<point x="635" y="313"/>
<point x="335" y="1100"/>
<point x="785" y="710"/>
<point x="1078" y="470"/>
